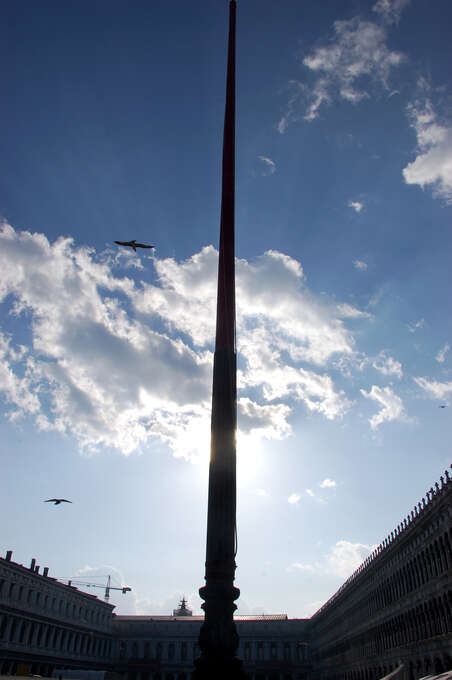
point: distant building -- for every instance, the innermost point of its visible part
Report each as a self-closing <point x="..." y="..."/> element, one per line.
<point x="164" y="647"/>
<point x="396" y="609"/>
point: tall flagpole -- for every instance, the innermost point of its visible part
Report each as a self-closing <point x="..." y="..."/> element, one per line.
<point x="218" y="639"/>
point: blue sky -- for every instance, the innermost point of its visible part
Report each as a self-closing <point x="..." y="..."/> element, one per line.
<point x="112" y="129"/>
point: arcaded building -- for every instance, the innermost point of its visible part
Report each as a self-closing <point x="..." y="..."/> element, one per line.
<point x="45" y="624"/>
<point x="397" y="607"/>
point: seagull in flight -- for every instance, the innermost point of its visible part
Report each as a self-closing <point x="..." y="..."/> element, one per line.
<point x="133" y="244"/>
<point x="57" y="501"/>
<point x="442" y="406"/>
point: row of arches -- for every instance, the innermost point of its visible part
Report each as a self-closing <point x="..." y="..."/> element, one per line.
<point x="433" y="561"/>
<point x="423" y="622"/>
<point x="34" y="634"/>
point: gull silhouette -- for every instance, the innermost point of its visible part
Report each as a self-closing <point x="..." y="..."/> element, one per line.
<point x="57" y="501"/>
<point x="443" y="406"/>
<point x="133" y="244"/>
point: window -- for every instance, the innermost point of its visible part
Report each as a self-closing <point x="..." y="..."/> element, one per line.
<point x="273" y="650"/>
<point x="247" y="651"/>
<point x="22" y="632"/>
<point x="183" y="651"/>
<point x="301" y="651"/>
<point x="286" y="651"/>
<point x="171" y="650"/>
<point x="260" y="651"/>
<point x="159" y="650"/>
<point x="12" y="631"/>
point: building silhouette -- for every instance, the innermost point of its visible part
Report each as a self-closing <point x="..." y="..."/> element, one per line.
<point x="395" y="610"/>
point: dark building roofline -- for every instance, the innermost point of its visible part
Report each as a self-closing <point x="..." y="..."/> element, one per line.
<point x="419" y="512"/>
<point x="187" y="619"/>
<point x="33" y="570"/>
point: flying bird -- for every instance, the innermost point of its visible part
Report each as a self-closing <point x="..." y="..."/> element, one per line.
<point x="133" y="244"/>
<point x="57" y="501"/>
<point x="442" y="406"/>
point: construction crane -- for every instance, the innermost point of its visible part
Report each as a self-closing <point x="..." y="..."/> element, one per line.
<point x="108" y="587"/>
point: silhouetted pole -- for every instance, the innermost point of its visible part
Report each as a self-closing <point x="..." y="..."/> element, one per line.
<point x="218" y="637"/>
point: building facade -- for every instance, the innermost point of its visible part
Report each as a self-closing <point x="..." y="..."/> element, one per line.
<point x="397" y="607"/>
<point x="45" y="624"/>
<point x="272" y="647"/>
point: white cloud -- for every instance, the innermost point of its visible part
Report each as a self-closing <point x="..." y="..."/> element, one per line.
<point x="294" y="498"/>
<point x="310" y="492"/>
<point x="391" y="405"/>
<point x="299" y="566"/>
<point x="441" y="356"/>
<point x="346" y="311"/>
<point x="270" y="165"/>
<point x="390" y="10"/>
<point x="387" y="365"/>
<point x="412" y="327"/>
<point x="310" y="608"/>
<point x="345" y="557"/>
<point x="435" y="389"/>
<point x="17" y="390"/>
<point x="328" y="483"/>
<point x="262" y="492"/>
<point x="268" y="421"/>
<point x="291" y="114"/>
<point x="357" y="52"/>
<point x="433" y="164"/>
<point x="360" y="264"/>
<point x="341" y="560"/>
<point x="118" y="362"/>
<point x="356" y="205"/>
